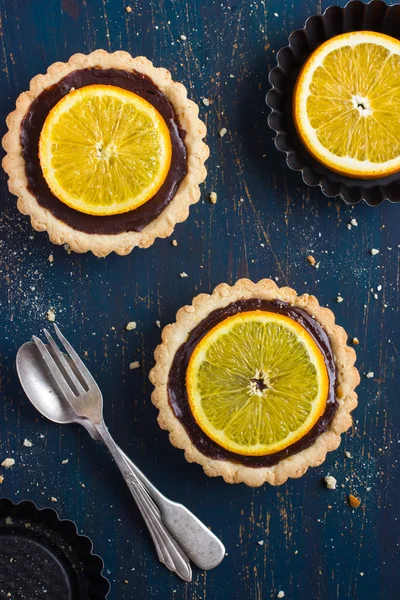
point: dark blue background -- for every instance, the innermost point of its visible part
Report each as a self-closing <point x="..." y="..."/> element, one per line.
<point x="265" y="223"/>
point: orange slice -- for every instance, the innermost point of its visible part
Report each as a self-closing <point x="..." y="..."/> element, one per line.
<point x="346" y="104"/>
<point x="104" y="150"/>
<point x="256" y="383"/>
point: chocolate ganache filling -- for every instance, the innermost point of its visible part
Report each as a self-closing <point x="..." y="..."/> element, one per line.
<point x="177" y="381"/>
<point x="134" y="220"/>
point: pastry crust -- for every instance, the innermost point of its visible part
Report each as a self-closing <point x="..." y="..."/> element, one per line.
<point x="173" y="336"/>
<point x="188" y="191"/>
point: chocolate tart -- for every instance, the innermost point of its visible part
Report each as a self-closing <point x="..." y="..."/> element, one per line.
<point x="121" y="232"/>
<point x="193" y="323"/>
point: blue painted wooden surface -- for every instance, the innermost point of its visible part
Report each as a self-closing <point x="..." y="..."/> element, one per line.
<point x="265" y="223"/>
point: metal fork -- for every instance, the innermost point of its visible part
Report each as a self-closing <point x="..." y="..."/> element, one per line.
<point x="189" y="536"/>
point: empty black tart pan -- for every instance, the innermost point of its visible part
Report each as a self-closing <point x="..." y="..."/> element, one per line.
<point x="44" y="558"/>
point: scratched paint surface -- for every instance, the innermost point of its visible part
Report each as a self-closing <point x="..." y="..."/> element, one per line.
<point x="299" y="538"/>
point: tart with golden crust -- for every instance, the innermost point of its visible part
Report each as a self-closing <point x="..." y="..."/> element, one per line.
<point x="48" y="185"/>
<point x="254" y="382"/>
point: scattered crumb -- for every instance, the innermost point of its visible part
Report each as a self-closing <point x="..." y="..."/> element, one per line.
<point x="206" y="102"/>
<point x="126" y="581"/>
<point x="83" y="485"/>
<point x="353" y="501"/>
<point x="183" y="274"/>
<point x="361" y="574"/>
<point x="131" y="325"/>
<point x="369" y="375"/>
<point x="223" y="132"/>
<point x="355" y="341"/>
<point x="134" y="365"/>
<point x="8" y="462"/>
<point x="213" y="197"/>
<point x="280" y="594"/>
<point x="65" y="461"/>
<point x="354" y="223"/>
<point x="311" y="260"/>
<point x="51" y="315"/>
<point x="158" y="323"/>
<point x="183" y="38"/>
<point x="9" y="521"/>
<point x="67" y="248"/>
<point x="27" y="525"/>
<point x="330" y="482"/>
<point x="174" y="243"/>
<point x="260" y="542"/>
<point x="53" y="499"/>
<point x="347" y="454"/>
<point x="1" y="478"/>
<point x="374" y="251"/>
<point x="50" y="258"/>
<point x="128" y="9"/>
<point x="379" y="288"/>
<point x="27" y="443"/>
<point x="348" y="226"/>
<point x="339" y="299"/>
<point x="276" y="15"/>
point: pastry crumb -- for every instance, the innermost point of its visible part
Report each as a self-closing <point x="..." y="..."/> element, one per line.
<point x="374" y="251"/>
<point x="134" y="365"/>
<point x="339" y="299"/>
<point x="65" y="461"/>
<point x="8" y="463"/>
<point x="223" y="132"/>
<point x="213" y="197"/>
<point x="51" y="315"/>
<point x="353" y="501"/>
<point x="330" y="482"/>
<point x="311" y="260"/>
<point x="9" y="521"/>
<point x="354" y="222"/>
<point x="128" y="9"/>
<point x="355" y="341"/>
<point x="158" y="323"/>
<point x="183" y="274"/>
<point x="27" y="443"/>
<point x="260" y="542"/>
<point x="67" y="248"/>
<point x="206" y="102"/>
<point x="347" y="454"/>
<point x="174" y="243"/>
<point x="52" y="499"/>
<point x="280" y="594"/>
<point x="50" y="258"/>
<point x="183" y="38"/>
<point x="369" y="375"/>
<point x="131" y="325"/>
<point x="1" y="478"/>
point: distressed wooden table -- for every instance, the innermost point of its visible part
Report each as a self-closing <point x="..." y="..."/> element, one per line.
<point x="299" y="538"/>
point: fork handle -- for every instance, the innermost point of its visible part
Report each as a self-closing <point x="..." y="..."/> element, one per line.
<point x="168" y="550"/>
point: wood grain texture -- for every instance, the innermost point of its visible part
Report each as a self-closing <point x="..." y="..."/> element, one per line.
<point x="265" y="223"/>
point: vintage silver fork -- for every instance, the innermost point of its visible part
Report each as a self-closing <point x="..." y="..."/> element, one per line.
<point x="176" y="532"/>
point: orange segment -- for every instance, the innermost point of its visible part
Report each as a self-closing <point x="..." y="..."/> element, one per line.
<point x="256" y="383"/>
<point x="346" y="104"/>
<point x="104" y="150"/>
